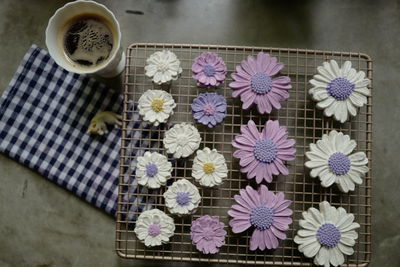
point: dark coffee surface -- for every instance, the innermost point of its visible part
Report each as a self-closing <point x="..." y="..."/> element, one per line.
<point x="88" y="41"/>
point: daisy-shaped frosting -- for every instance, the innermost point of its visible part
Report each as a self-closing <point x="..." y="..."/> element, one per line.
<point x="331" y="160"/>
<point x="182" y="140"/>
<point x="208" y="234"/>
<point x="209" y="167"/>
<point x="154" y="227"/>
<point x="266" y="212"/>
<point x="262" y="154"/>
<point x="327" y="234"/>
<point x="163" y="67"/>
<point x="156" y="106"/>
<point x="254" y="83"/>
<point x="153" y="170"/>
<point x="209" y="109"/>
<point x="209" y="70"/>
<point x="339" y="91"/>
<point x="182" y="197"/>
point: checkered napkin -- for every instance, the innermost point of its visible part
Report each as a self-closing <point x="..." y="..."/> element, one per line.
<point x="44" y="116"/>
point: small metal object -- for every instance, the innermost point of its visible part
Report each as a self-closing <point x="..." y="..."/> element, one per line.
<point x="305" y="124"/>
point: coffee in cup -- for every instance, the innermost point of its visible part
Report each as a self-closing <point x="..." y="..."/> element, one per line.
<point x="87" y="40"/>
<point x="85" y="37"/>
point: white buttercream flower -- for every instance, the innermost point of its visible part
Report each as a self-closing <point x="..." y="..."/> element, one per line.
<point x="153" y="170"/>
<point x="331" y="160"/>
<point x="154" y="227"/>
<point x="182" y="197"/>
<point x="182" y="140"/>
<point x="156" y="106"/>
<point x="327" y="234"/>
<point x="339" y="91"/>
<point x="209" y="167"/>
<point x="163" y="67"/>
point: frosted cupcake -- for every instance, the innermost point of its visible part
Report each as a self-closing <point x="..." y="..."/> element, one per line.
<point x="154" y="227"/>
<point x="156" y="106"/>
<point x="208" y="234"/>
<point x="153" y="170"/>
<point x="209" y="109"/>
<point x="339" y="91"/>
<point x="182" y="140"/>
<point x="163" y="67"/>
<point x="262" y="154"/>
<point x="327" y="234"/>
<point x="255" y="82"/>
<point x="267" y="213"/>
<point x="332" y="161"/>
<point x="182" y="197"/>
<point x="209" y="70"/>
<point x="209" y="167"/>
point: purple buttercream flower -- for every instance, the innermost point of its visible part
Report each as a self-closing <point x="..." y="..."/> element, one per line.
<point x="266" y="212"/>
<point x="208" y="234"/>
<point x="262" y="154"/>
<point x="254" y="83"/>
<point x="209" y="109"/>
<point x="209" y="70"/>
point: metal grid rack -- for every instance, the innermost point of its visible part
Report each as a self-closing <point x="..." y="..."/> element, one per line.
<point x="305" y="124"/>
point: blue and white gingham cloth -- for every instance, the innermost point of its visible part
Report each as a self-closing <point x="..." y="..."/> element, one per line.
<point x="44" y="116"/>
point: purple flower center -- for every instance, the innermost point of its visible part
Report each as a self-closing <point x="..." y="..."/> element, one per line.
<point x="262" y="217"/>
<point x="183" y="198"/>
<point x="154" y="229"/>
<point x="328" y="235"/>
<point x="261" y="83"/>
<point x="339" y="163"/>
<point x="265" y="150"/>
<point x="340" y="88"/>
<point x="208" y="234"/>
<point x="209" y="109"/>
<point x="209" y="70"/>
<point x="151" y="169"/>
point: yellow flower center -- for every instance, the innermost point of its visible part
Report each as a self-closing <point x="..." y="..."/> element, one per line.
<point x="208" y="167"/>
<point x="157" y="105"/>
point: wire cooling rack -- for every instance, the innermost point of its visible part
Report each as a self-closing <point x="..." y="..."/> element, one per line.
<point x="305" y="124"/>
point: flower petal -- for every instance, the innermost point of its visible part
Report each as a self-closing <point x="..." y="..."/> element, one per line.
<point x="322" y="257"/>
<point x="310" y="249"/>
<point x="256" y="239"/>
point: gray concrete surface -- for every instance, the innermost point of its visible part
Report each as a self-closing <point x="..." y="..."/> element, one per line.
<point x="43" y="225"/>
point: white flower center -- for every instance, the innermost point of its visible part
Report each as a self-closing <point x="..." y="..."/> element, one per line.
<point x="163" y="66"/>
<point x="182" y="140"/>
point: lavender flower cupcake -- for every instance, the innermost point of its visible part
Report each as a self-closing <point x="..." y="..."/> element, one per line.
<point x="209" y="70"/>
<point x="262" y="155"/>
<point x="209" y="109"/>
<point x="208" y="234"/>
<point x="256" y="82"/>
<point x="268" y="213"/>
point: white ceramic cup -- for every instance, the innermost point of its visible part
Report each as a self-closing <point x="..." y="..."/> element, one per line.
<point x="110" y="67"/>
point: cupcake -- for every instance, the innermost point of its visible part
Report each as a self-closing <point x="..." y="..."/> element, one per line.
<point x="208" y="234"/>
<point x="327" y="234"/>
<point x="163" y="67"/>
<point x="153" y="170"/>
<point x="263" y="154"/>
<point x="154" y="227"/>
<point x="182" y="140"/>
<point x="209" y="167"/>
<point x="254" y="83"/>
<point x="209" y="70"/>
<point x="332" y="161"/>
<point x="339" y="91"/>
<point x="182" y="197"/>
<point x="156" y="106"/>
<point x="209" y="109"/>
<point x="267" y="213"/>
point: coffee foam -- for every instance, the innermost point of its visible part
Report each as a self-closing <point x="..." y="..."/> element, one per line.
<point x="88" y="42"/>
